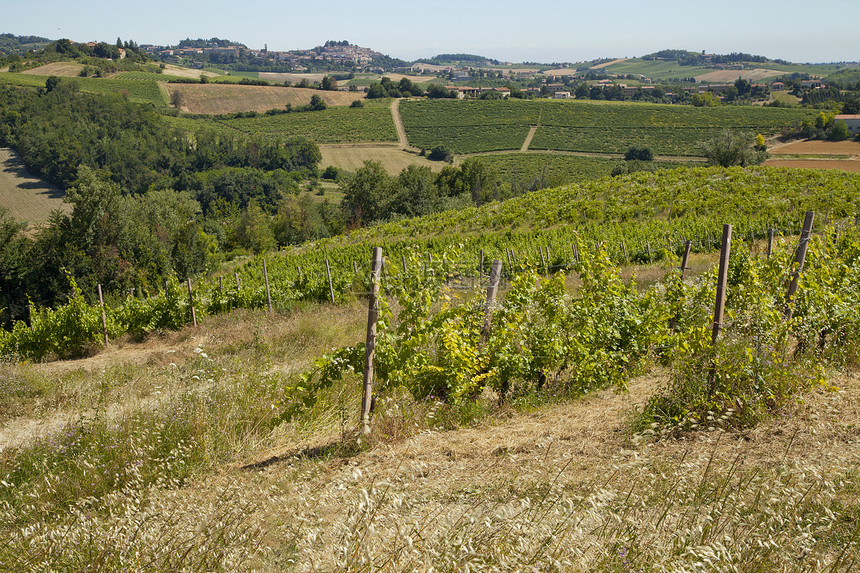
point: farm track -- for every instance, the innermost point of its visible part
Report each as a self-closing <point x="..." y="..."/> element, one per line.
<point x="529" y="138"/>
<point x="401" y="129"/>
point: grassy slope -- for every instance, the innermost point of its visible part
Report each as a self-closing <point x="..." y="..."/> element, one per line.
<point x="26" y="197"/>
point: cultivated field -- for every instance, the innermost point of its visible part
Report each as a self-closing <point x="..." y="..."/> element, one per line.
<point x="26" y="197"/>
<point x="729" y="76"/>
<point x="215" y="99"/>
<point x="392" y="157"/>
<point x="581" y="126"/>
<point x="370" y="123"/>
<point x="849" y="149"/>
<point x="842" y="155"/>
<point x="288" y="77"/>
<point x="61" y="69"/>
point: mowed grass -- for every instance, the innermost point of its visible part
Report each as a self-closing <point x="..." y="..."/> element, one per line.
<point x="62" y="69"/>
<point x="219" y="98"/>
<point x="392" y="158"/>
<point x="26" y="197"/>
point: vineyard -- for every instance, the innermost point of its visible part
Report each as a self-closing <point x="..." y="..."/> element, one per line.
<point x="640" y="218"/>
<point x="476" y="126"/>
<point x="140" y="91"/>
<point x="372" y="122"/>
<point x="188" y="479"/>
<point x="553" y="170"/>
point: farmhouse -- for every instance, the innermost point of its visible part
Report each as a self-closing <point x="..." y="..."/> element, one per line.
<point x="852" y="121"/>
<point x="561" y="95"/>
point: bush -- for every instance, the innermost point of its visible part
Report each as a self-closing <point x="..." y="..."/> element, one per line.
<point x="730" y="149"/>
<point x="440" y="153"/>
<point x="357" y="103"/>
<point x="639" y="152"/>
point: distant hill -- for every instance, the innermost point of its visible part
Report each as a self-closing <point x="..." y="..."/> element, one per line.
<point x="20" y="45"/>
<point x="459" y="58"/>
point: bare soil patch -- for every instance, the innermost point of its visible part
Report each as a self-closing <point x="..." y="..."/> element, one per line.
<point x="843" y="165"/>
<point x="215" y="98"/>
<point x="850" y="148"/>
<point x="63" y="69"/>
<point x="393" y="158"/>
<point x="27" y="197"/>
<point x="732" y="75"/>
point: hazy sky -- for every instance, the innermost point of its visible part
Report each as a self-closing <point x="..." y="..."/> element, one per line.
<point x="800" y="31"/>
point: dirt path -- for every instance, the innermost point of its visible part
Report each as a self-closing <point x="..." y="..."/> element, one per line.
<point x="398" y="123"/>
<point x="529" y="138"/>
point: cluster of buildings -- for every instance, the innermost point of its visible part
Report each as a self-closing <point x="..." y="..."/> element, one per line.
<point x="338" y="53"/>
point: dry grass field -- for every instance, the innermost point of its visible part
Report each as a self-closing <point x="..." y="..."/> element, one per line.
<point x="61" y="69"/>
<point x="227" y="98"/>
<point x="842" y="155"/>
<point x="607" y="64"/>
<point x="731" y="75"/>
<point x="843" y="148"/>
<point x="393" y="158"/>
<point x="294" y="78"/>
<point x="178" y="71"/>
<point x="26" y="197"/>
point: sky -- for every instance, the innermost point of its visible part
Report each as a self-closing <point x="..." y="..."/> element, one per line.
<point x="516" y="31"/>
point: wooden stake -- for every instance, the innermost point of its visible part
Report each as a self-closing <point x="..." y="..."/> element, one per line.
<point x="221" y="284"/>
<point x="191" y="303"/>
<point x="770" y="233"/>
<point x="330" y="286"/>
<point x="370" y="343"/>
<point x="268" y="293"/>
<point x="799" y="259"/>
<point x="685" y="258"/>
<point x="492" y="288"/>
<point x="719" y="306"/>
<point x="104" y="318"/>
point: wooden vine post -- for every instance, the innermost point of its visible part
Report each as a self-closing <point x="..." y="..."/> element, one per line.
<point x="492" y="289"/>
<point x="686" y="258"/>
<point x="770" y="233"/>
<point x="370" y="343"/>
<point x="221" y="284"/>
<point x="722" y="276"/>
<point x="330" y="286"/>
<point x="191" y="302"/>
<point x="268" y="293"/>
<point x="104" y="318"/>
<point x="719" y="306"/>
<point x="799" y="259"/>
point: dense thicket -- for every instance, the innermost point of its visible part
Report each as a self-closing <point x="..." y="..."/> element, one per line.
<point x="59" y="129"/>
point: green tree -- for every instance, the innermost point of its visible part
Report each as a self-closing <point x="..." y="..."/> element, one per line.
<point x="365" y="194"/>
<point x="639" y="152"/>
<point x="317" y="103"/>
<point x="255" y="230"/>
<point x="730" y="149"/>
<point x="329" y="83"/>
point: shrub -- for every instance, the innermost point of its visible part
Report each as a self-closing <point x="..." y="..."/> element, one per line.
<point x="640" y="152"/>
